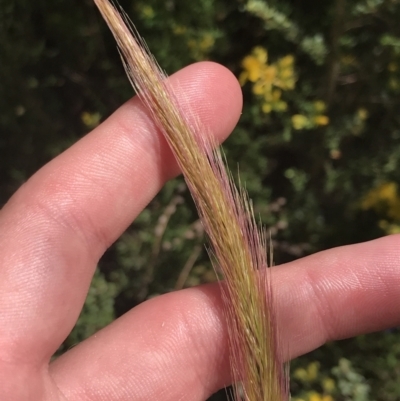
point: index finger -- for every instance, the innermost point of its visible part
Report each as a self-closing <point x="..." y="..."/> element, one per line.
<point x="56" y="227"/>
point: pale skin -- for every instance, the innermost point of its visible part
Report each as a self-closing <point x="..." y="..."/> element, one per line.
<point x="56" y="227"/>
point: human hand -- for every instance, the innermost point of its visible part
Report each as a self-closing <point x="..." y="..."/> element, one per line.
<point x="56" y="227"/>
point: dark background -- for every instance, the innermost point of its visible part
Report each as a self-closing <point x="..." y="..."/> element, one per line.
<point x="318" y="149"/>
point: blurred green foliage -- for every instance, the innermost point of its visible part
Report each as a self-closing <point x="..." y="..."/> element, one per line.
<point x="318" y="142"/>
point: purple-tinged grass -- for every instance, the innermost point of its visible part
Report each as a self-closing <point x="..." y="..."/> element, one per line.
<point x="237" y="248"/>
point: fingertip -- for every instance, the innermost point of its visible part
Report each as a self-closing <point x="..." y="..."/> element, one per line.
<point x="217" y="93"/>
<point x="86" y="197"/>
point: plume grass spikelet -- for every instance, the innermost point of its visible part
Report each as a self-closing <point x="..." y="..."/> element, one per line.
<point x="237" y="247"/>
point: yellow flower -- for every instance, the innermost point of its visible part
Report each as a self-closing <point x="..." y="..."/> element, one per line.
<point x="388" y="191"/>
<point x="289" y="84"/>
<point x="299" y="121"/>
<point x="312" y="370"/>
<point x="260" y="54"/>
<point x="319" y="106"/>
<point x="319" y="397"/>
<point x="394" y="209"/>
<point x="286" y="74"/>
<point x="148" y="12"/>
<point x="243" y="77"/>
<point x="269" y="80"/>
<point x="269" y="74"/>
<point x="266" y="108"/>
<point x="301" y="374"/>
<point x="276" y="94"/>
<point x="385" y="199"/>
<point x="286" y="61"/>
<point x="91" y="120"/>
<point x="321" y="120"/>
<point x="315" y="397"/>
<point x="253" y="68"/>
<point x="207" y="42"/>
<point x="362" y="113"/>
<point x="328" y="384"/>
<point x="268" y="94"/>
<point x="259" y="88"/>
<point x="280" y="106"/>
<point x="389" y="228"/>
